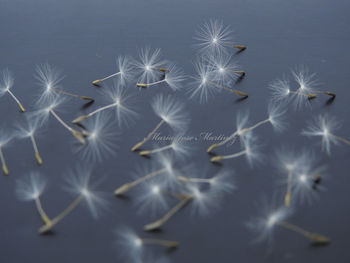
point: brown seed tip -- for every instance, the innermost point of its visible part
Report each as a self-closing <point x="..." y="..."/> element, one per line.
<point x="320" y="239"/>
<point x="87" y="98"/>
<point x="153" y="226"/>
<point x="141" y="85"/>
<point x="143" y="153"/>
<point x="22" y="108"/>
<point x="123" y="189"/>
<point x="240" y="93"/>
<point x="212" y="147"/>
<point x="311" y="96"/>
<point x="79" y="136"/>
<point x="80" y="119"/>
<point x="38" y="158"/>
<point x="136" y="146"/>
<point x="4" y="168"/>
<point x="240" y="47"/>
<point x="164" y="70"/>
<point x="332" y="94"/>
<point x="216" y="158"/>
<point x="96" y="82"/>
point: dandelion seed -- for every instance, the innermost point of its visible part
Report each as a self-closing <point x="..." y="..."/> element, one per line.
<point x="134" y="245"/>
<point x="166" y="217"/>
<point x="28" y="130"/>
<point x="30" y="188"/>
<point x="178" y="145"/>
<point x="120" y="101"/>
<point x="265" y="225"/>
<point x="124" y="71"/>
<point x="276" y="116"/>
<point x="78" y="183"/>
<point x="5" y="138"/>
<point x="219" y="184"/>
<point x="164" y="167"/>
<point x="224" y="68"/>
<point x="301" y="171"/>
<point x="307" y="82"/>
<point x="171" y="112"/>
<point x="151" y="65"/>
<point x="213" y="36"/>
<point x="101" y="139"/>
<point x="50" y="109"/>
<point x="325" y="126"/>
<point x="204" y="85"/>
<point x="49" y="80"/>
<point x="250" y="151"/>
<point x="6" y="85"/>
<point x="173" y="78"/>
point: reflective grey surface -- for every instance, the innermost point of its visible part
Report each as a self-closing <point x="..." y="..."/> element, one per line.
<point x="84" y="37"/>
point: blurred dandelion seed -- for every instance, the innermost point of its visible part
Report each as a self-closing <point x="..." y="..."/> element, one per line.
<point x="324" y="127"/>
<point x="30" y="188"/>
<point x="6" y="85"/>
<point x="28" y="130"/>
<point x="265" y="225"/>
<point x="5" y="138"/>
<point x="78" y="182"/>
<point x="166" y="217"/>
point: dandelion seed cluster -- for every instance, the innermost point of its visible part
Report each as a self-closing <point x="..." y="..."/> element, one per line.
<point x="165" y="186"/>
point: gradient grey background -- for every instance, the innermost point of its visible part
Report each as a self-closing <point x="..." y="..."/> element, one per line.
<point x="84" y="37"/>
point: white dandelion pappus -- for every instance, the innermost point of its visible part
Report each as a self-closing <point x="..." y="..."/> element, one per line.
<point x="171" y="111"/>
<point x="30" y="187"/>
<point x="200" y="87"/>
<point x="134" y="246"/>
<point x="28" y="129"/>
<point x="214" y="36"/>
<point x="265" y="224"/>
<point x="324" y="126"/>
<point x="150" y="66"/>
<point x="281" y="91"/>
<point x="152" y="196"/>
<point x="225" y="69"/>
<point x="49" y="79"/>
<point x="6" y="85"/>
<point x="299" y="175"/>
<point x="101" y="139"/>
<point x="306" y="86"/>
